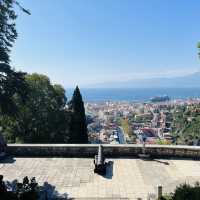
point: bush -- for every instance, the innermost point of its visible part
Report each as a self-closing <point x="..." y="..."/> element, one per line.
<point x="187" y="192"/>
<point x="184" y="192"/>
<point x="27" y="190"/>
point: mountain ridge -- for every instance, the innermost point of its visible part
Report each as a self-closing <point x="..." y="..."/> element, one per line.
<point x="186" y="81"/>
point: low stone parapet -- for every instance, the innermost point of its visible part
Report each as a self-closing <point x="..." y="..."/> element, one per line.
<point x="89" y="150"/>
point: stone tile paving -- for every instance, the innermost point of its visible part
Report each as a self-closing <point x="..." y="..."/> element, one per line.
<point x="125" y="178"/>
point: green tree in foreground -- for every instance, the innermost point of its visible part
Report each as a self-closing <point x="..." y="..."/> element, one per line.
<point x="78" y="126"/>
<point x="32" y="110"/>
<point x="185" y="192"/>
<point x="43" y="118"/>
<point x="11" y="82"/>
<point x="27" y="190"/>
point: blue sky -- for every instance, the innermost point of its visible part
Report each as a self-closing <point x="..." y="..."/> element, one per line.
<point x="92" y="41"/>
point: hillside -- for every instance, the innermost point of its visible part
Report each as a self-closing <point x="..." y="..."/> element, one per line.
<point x="188" y="81"/>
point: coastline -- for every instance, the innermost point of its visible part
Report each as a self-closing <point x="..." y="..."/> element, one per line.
<point x="135" y="95"/>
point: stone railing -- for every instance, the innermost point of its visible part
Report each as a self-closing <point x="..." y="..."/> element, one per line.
<point x="89" y="150"/>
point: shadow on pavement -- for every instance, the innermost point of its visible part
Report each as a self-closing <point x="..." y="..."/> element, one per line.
<point x="156" y="160"/>
<point x="49" y="192"/>
<point x="162" y="162"/>
<point x="7" y="160"/>
<point x="46" y="192"/>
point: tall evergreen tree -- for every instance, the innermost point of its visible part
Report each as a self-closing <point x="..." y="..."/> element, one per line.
<point x="78" y="127"/>
<point x="11" y="82"/>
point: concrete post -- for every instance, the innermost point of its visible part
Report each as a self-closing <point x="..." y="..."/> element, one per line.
<point x="159" y="191"/>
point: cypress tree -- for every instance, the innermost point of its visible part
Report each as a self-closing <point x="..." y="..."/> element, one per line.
<point x="78" y="129"/>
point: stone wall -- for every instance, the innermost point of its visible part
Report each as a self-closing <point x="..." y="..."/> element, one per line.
<point x="89" y="150"/>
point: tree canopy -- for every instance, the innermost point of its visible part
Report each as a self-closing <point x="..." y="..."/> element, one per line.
<point x="11" y="82"/>
<point x="32" y="110"/>
<point x="43" y="117"/>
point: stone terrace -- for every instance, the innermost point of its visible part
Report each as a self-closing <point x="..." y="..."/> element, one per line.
<point x="126" y="178"/>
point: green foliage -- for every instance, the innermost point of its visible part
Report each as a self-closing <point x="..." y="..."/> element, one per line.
<point x="11" y="82"/>
<point x="185" y="192"/>
<point x="126" y="127"/>
<point x="78" y="126"/>
<point x="163" y="142"/>
<point x="131" y="137"/>
<point x="186" y="124"/>
<point x="32" y="109"/>
<point x="165" y="198"/>
<point x="169" y="117"/>
<point x="28" y="189"/>
<point x="42" y="118"/>
<point x="8" y="33"/>
<point x="143" y="118"/>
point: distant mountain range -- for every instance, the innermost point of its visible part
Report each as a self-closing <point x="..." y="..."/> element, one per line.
<point x="188" y="81"/>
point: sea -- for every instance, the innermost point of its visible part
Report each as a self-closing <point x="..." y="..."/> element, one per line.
<point x="134" y="94"/>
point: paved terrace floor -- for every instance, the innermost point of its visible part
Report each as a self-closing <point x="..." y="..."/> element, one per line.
<point x="125" y="179"/>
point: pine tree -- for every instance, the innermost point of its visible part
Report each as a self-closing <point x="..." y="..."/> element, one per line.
<point x="78" y="130"/>
<point x="11" y="82"/>
<point x="8" y="33"/>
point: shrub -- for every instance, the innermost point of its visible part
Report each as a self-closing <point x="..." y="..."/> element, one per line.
<point x="184" y="192"/>
<point x="27" y="190"/>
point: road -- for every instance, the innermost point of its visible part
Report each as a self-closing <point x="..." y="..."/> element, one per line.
<point x="120" y="133"/>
